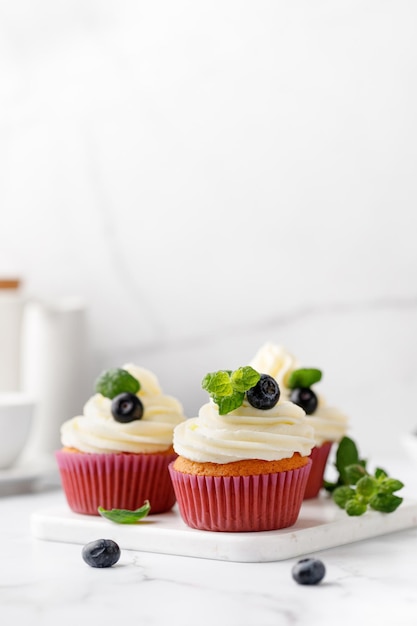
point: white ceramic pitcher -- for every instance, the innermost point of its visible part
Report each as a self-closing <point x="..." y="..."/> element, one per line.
<point x="55" y="368"/>
<point x="12" y="305"/>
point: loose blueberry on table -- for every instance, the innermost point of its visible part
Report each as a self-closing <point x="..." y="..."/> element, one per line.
<point x="101" y="553"/>
<point x="308" y="571"/>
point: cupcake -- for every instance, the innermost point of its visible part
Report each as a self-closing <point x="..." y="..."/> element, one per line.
<point x="116" y="454"/>
<point x="296" y="384"/>
<point x="243" y="463"/>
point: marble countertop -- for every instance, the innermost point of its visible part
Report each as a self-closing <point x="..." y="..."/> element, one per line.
<point x="46" y="582"/>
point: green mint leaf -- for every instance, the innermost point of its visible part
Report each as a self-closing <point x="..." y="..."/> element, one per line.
<point x="207" y="381"/>
<point x="366" y="487"/>
<point x="124" y="516"/>
<point x="385" y="502"/>
<point x="229" y="403"/>
<point x="350" y="467"/>
<point x="227" y="388"/>
<point x="114" y="381"/>
<point x="329" y="486"/>
<point x="218" y="383"/>
<point x="341" y="495"/>
<point x="380" y="473"/>
<point x="355" y="507"/>
<point x="304" y="377"/>
<point x="389" y="485"/>
<point x="244" y="378"/>
<point x="353" y="473"/>
<point x="355" y="489"/>
<point x="347" y="454"/>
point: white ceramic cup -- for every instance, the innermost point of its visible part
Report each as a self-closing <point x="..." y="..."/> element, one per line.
<point x="16" y="416"/>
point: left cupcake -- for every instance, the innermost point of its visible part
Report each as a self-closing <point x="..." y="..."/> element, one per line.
<point x="116" y="454"/>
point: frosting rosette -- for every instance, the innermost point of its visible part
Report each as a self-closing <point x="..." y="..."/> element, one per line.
<point x="245" y="433"/>
<point x="329" y="423"/>
<point x="277" y="362"/>
<point x="96" y="430"/>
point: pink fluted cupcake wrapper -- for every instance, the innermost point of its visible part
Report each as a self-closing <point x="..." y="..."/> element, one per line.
<point x="240" y="503"/>
<point x="115" y="481"/>
<point x="318" y="456"/>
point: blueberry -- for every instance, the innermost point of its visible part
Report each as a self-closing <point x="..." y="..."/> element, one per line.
<point x="305" y="398"/>
<point x="101" y="553"/>
<point x="126" y="407"/>
<point x="265" y="394"/>
<point x="308" y="571"/>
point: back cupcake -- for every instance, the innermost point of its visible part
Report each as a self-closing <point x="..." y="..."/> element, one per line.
<point x="297" y="384"/>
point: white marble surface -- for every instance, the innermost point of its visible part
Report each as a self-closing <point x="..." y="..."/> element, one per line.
<point x="208" y="177"/>
<point x="45" y="583"/>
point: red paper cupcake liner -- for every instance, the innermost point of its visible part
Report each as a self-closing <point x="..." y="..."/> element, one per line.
<point x="318" y="456"/>
<point x="116" y="481"/>
<point x="240" y="503"/>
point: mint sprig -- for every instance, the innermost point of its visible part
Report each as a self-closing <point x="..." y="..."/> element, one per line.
<point x="356" y="490"/>
<point x="304" y="377"/>
<point x="125" y="516"/>
<point x="227" y="388"/>
<point x="348" y="465"/>
<point x="114" y="381"/>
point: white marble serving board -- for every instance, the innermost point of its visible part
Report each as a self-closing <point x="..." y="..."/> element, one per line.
<point x="321" y="525"/>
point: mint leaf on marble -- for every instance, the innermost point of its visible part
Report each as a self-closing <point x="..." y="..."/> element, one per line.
<point x="342" y="495"/>
<point x="125" y="516"/>
<point x="389" y="485"/>
<point x="356" y="490"/>
<point x="355" y="507"/>
<point x="353" y="473"/>
<point x="227" y="388"/>
<point x="347" y="454"/>
<point x="349" y="465"/>
<point x="304" y="377"/>
<point x="114" y="381"/>
<point x="366" y="487"/>
<point x="380" y="473"/>
<point x="385" y="502"/>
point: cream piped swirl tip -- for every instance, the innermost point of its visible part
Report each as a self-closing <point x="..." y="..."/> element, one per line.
<point x="146" y="429"/>
<point x="244" y="420"/>
<point x="245" y="433"/>
<point x="298" y="385"/>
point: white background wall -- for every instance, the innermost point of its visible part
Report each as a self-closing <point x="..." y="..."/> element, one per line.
<point x="208" y="176"/>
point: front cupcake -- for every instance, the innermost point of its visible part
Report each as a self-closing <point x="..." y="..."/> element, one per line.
<point x="296" y="384"/>
<point x="116" y="455"/>
<point x="244" y="461"/>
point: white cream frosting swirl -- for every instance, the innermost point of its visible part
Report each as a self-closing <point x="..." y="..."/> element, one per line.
<point x="329" y="423"/>
<point x="97" y="431"/>
<point x="278" y="363"/>
<point x="245" y="433"/>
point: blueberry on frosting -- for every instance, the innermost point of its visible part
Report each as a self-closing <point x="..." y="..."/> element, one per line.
<point x="265" y="394"/>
